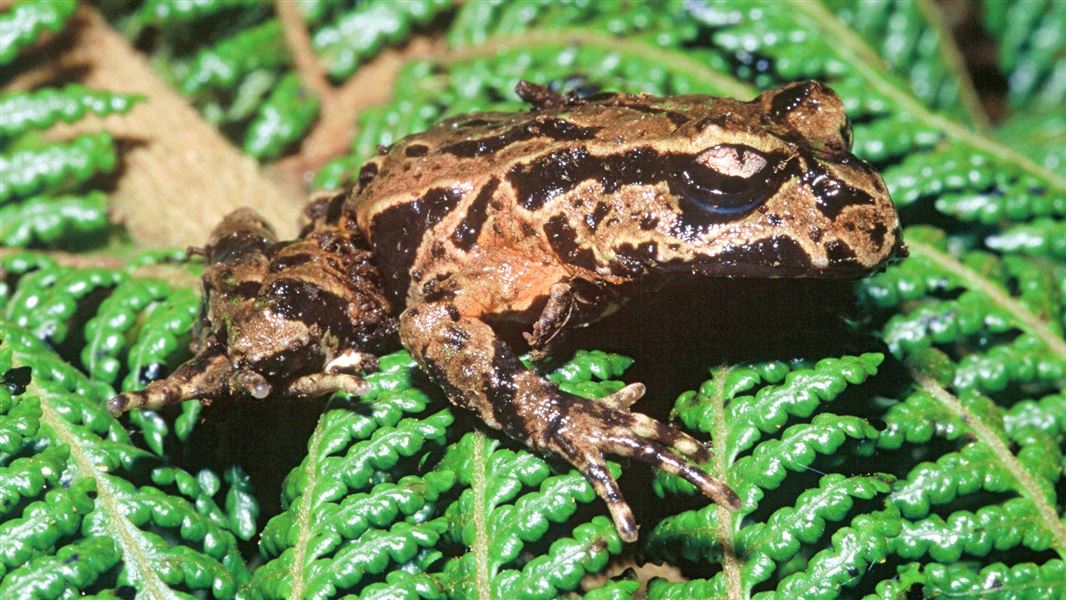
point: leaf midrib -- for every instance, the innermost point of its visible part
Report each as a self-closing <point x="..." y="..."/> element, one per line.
<point x="1024" y="318"/>
<point x="1027" y="485"/>
<point x="730" y="562"/>
<point x="134" y="550"/>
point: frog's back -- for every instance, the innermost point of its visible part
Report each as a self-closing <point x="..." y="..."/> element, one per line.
<point x="430" y="201"/>
<point x="616" y="185"/>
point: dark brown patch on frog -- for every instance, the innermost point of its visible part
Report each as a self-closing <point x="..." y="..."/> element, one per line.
<point x="237" y="244"/>
<point x="563" y="239"/>
<point x="707" y="196"/>
<point x="455" y="338"/>
<point x="287" y="262"/>
<point x="437" y="293"/>
<point x="398" y="232"/>
<point x="326" y="210"/>
<point x="648" y="222"/>
<point x="877" y="234"/>
<point x="632" y="260"/>
<point x="774" y="219"/>
<point x="246" y="289"/>
<point x="308" y="303"/>
<point x="554" y="129"/>
<point x="558" y="172"/>
<point x="840" y="255"/>
<point x="415" y="150"/>
<point x="789" y="99"/>
<point x="468" y="230"/>
<point x="832" y="195"/>
<point x="593" y="218"/>
<point x="773" y="256"/>
<point x="440" y="288"/>
<point x="815" y="233"/>
<point x="366" y="175"/>
<point x="440" y="377"/>
<point x="502" y="391"/>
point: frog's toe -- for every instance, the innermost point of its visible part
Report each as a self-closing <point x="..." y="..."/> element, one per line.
<point x="352" y="361"/>
<point x="592" y="465"/>
<point x="320" y="384"/>
<point x="660" y="456"/>
<point x="625" y="397"/>
<point x="586" y="430"/>
<point x="648" y="428"/>
<point x="202" y="376"/>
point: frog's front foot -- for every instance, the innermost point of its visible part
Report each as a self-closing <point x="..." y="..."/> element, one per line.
<point x="583" y="431"/>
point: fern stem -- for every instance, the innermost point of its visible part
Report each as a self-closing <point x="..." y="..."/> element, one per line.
<point x="303" y="516"/>
<point x="480" y="545"/>
<point x="1026" y="320"/>
<point x="310" y="70"/>
<point x="144" y="575"/>
<point x="949" y="53"/>
<point x="873" y="71"/>
<point x="1028" y="487"/>
<point x="669" y="59"/>
<point x="730" y="563"/>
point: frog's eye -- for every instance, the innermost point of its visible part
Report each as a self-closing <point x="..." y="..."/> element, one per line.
<point x="729" y="180"/>
<point x="845" y="132"/>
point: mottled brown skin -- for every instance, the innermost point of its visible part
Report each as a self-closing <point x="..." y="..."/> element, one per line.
<point x="547" y="218"/>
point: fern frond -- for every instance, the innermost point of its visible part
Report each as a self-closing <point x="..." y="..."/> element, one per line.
<point x="360" y="33"/>
<point x="44" y="221"/>
<point x="26" y="21"/>
<point x="222" y="66"/>
<point x="151" y="523"/>
<point x="1030" y="38"/>
<point x="913" y="38"/>
<point x="40" y="109"/>
<point x="56" y="167"/>
<point x="283" y="119"/>
<point x="755" y="455"/>
<point x="954" y="301"/>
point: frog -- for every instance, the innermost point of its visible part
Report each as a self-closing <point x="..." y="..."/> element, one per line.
<point x="546" y="220"/>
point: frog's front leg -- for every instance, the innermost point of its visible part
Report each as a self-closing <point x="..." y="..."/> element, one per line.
<point x="461" y="353"/>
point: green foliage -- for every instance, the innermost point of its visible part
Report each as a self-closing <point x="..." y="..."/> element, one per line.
<point x="232" y="61"/>
<point x="1030" y="38"/>
<point x="349" y="516"/>
<point x="911" y="36"/>
<point x="282" y="119"/>
<point x="43" y="202"/>
<point x="360" y="33"/>
<point x="26" y="21"/>
<point x="83" y="506"/>
<point x="922" y="456"/>
<point x="762" y="439"/>
<point x="21" y="112"/>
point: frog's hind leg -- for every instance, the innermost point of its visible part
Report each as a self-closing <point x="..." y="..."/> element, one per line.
<point x="446" y="334"/>
<point x="206" y="375"/>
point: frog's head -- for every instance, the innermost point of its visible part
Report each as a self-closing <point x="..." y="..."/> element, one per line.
<point x="767" y="188"/>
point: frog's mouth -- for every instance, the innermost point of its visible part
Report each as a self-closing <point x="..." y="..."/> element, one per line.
<point x="771" y="257"/>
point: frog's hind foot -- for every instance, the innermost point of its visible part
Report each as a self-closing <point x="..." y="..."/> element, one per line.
<point x="203" y="376"/>
<point x="583" y="431"/>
